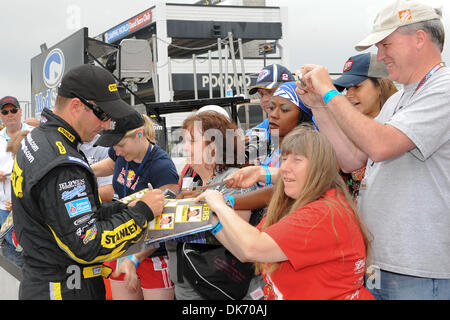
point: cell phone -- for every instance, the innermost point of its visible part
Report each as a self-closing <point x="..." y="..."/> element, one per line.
<point x="169" y="194"/>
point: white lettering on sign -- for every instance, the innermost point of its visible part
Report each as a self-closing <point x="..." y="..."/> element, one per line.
<point x="215" y="81"/>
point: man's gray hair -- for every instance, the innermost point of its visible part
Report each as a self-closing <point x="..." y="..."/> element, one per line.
<point x="434" y="28"/>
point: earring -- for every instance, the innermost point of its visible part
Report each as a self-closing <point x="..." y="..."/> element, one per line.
<point x="139" y="134"/>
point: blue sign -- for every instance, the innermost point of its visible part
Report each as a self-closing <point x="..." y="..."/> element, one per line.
<point x="117" y="32"/>
<point x="53" y="68"/>
<point x="48" y="69"/>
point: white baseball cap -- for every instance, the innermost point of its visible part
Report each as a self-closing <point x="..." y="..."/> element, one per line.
<point x="398" y="13"/>
<point x="216" y="108"/>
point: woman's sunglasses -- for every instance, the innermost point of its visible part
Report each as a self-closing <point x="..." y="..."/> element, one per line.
<point x="13" y="111"/>
<point x="99" y="113"/>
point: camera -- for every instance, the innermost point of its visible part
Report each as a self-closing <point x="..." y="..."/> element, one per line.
<point x="257" y="145"/>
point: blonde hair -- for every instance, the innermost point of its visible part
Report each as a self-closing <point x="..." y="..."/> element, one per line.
<point x="149" y="130"/>
<point x="322" y="175"/>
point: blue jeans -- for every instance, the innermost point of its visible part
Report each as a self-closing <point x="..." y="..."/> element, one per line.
<point x="3" y="215"/>
<point x="394" y="286"/>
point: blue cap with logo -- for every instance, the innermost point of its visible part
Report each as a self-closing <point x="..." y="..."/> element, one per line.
<point x="358" y="68"/>
<point x="109" y="138"/>
<point x="271" y="77"/>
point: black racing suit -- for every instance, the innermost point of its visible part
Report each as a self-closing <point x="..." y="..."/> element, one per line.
<point x="65" y="231"/>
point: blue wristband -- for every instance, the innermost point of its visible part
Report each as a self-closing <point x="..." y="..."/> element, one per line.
<point x="230" y="200"/>
<point x="216" y="228"/>
<point x="268" y="175"/>
<point x="330" y="95"/>
<point x="134" y="260"/>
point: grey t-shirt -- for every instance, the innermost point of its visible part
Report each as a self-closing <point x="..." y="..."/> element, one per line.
<point x="405" y="201"/>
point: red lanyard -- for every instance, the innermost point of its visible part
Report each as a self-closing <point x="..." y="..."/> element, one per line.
<point x="429" y="74"/>
<point x="424" y="79"/>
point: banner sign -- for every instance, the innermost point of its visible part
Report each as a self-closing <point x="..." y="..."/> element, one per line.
<point x="135" y="23"/>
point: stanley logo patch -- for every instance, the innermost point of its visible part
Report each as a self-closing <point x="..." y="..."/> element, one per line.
<point x="124" y="232"/>
<point x="67" y="134"/>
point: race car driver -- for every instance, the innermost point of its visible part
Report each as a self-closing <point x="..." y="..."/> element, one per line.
<point x="64" y="229"/>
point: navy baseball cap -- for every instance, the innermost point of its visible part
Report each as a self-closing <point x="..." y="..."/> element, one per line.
<point x="97" y="84"/>
<point x="271" y="77"/>
<point x="358" y="68"/>
<point x="9" y="100"/>
<point x="109" y="138"/>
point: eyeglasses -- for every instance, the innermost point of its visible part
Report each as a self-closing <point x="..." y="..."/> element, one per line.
<point x="99" y="113"/>
<point x="13" y="111"/>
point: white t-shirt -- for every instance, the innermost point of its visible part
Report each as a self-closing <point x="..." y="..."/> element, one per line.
<point x="405" y="201"/>
<point x="94" y="155"/>
<point x="6" y="164"/>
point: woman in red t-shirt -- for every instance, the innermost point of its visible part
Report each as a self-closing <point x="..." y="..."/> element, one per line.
<point x="310" y="244"/>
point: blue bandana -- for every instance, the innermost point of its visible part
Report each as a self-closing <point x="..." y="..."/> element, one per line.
<point x="287" y="91"/>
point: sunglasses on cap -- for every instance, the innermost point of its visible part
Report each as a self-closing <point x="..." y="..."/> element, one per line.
<point x="99" y="113"/>
<point x="13" y="111"/>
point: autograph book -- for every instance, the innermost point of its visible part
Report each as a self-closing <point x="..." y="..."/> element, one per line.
<point x="180" y="217"/>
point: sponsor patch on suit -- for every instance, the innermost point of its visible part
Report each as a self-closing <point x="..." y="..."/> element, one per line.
<point x="77" y="207"/>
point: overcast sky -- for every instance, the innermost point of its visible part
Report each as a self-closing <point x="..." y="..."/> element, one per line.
<point x="319" y="31"/>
